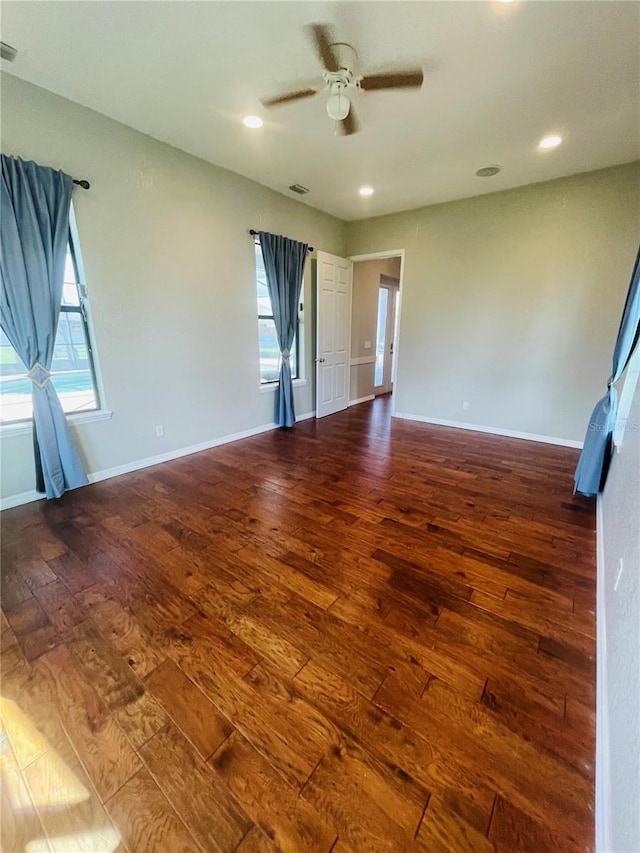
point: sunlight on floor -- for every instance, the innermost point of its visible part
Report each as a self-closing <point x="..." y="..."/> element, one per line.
<point x="40" y="791"/>
<point x="97" y="841"/>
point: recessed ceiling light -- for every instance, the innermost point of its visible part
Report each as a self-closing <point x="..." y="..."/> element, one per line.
<point x="550" y="142"/>
<point x="366" y="190"/>
<point x="488" y="171"/>
<point x="252" y="121"/>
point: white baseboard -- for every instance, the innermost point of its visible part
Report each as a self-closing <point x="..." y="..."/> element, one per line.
<point x="362" y="400"/>
<point x="149" y="461"/>
<point x="18" y="500"/>
<point x="509" y="433"/>
<point x="603" y="768"/>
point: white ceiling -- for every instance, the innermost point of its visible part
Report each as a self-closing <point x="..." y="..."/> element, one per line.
<point x="499" y="76"/>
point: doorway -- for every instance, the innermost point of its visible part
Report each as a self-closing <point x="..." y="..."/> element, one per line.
<point x="383" y="371"/>
<point x="376" y="294"/>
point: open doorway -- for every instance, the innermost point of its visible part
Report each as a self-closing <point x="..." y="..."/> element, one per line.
<point x="377" y="284"/>
<point x="383" y="372"/>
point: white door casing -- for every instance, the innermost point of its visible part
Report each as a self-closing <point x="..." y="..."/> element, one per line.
<point x="333" y="349"/>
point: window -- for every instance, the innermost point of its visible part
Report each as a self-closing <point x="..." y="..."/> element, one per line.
<point x="72" y="369"/>
<point x="268" y="338"/>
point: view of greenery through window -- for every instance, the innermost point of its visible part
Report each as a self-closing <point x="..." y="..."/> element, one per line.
<point x="71" y="370"/>
<point x="269" y="348"/>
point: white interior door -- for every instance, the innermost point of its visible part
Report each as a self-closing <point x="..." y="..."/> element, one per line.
<point x="333" y="350"/>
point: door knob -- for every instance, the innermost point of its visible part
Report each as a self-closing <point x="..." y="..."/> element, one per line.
<point x="319" y="359"/>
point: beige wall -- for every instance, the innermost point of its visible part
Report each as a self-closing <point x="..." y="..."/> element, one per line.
<point x="364" y="320"/>
<point x="171" y="275"/>
<point x="618" y="741"/>
<point x="512" y="301"/>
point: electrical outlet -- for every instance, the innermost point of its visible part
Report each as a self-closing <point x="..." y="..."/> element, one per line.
<point x="159" y="430"/>
<point x="619" y="574"/>
<point x="465" y="405"/>
<point x="367" y="344"/>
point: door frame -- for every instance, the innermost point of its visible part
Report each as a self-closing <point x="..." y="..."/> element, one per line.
<point x="373" y="256"/>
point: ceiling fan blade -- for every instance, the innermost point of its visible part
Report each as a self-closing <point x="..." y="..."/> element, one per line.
<point x="7" y="51"/>
<point x="322" y="39"/>
<point x="350" y="124"/>
<point x="290" y="96"/>
<point x="393" y="80"/>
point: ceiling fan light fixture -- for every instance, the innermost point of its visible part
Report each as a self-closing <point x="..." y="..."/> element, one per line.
<point x="253" y="122"/>
<point x="365" y="191"/>
<point x="338" y="106"/>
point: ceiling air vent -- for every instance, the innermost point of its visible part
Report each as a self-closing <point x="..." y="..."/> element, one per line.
<point x="488" y="171"/>
<point x="7" y="51"/>
<point x="298" y="188"/>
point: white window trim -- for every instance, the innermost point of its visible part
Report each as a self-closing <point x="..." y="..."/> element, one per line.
<point x="271" y="385"/>
<point x="267" y="387"/>
<point x="26" y="427"/>
<point x="631" y="378"/>
<point x="82" y="279"/>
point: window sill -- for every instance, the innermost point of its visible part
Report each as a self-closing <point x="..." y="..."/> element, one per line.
<point x="26" y="427"/>
<point x="271" y="386"/>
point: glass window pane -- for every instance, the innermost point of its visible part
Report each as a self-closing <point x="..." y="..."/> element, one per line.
<point x="269" y="348"/>
<point x="71" y="370"/>
<point x="383" y="297"/>
<point x="264" y="302"/>
<point x="294" y="359"/>
<point x="269" y="351"/>
<point x="70" y="295"/>
<point x="15" y="387"/>
<point x="69" y="268"/>
<point x="70" y="373"/>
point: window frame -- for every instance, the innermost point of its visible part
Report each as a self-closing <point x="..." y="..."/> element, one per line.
<point x="267" y="384"/>
<point x="83" y="309"/>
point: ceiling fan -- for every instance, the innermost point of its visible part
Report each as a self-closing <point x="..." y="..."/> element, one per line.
<point x="340" y="80"/>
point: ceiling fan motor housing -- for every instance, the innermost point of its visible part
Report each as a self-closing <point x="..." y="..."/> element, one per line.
<point x="345" y="55"/>
<point x="340" y="81"/>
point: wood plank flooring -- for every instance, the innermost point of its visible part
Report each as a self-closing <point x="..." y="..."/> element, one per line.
<point x="362" y="634"/>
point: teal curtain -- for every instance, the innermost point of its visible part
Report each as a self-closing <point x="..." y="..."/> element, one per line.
<point x="284" y="261"/>
<point x="594" y="460"/>
<point x="34" y="229"/>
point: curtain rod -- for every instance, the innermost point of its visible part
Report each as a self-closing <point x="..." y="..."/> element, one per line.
<point x="84" y="184"/>
<point x="255" y="234"/>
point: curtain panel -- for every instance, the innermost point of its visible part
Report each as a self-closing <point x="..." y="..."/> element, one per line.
<point x="34" y="230"/>
<point x="593" y="464"/>
<point x="284" y="261"/>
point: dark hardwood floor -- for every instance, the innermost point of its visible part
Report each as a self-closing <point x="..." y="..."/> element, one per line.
<point x="356" y="635"/>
